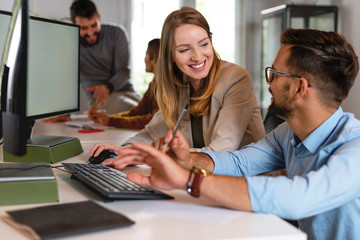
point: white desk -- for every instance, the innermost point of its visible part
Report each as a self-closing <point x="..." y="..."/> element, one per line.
<point x="184" y="217"/>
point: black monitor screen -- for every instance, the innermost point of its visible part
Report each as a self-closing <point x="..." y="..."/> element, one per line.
<point x="53" y="66"/>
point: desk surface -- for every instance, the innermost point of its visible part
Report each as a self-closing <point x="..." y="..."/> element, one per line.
<point x="184" y="217"/>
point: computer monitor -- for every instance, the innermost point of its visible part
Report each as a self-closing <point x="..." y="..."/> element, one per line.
<point x="53" y="66"/>
<point x="52" y="71"/>
<point x="13" y="71"/>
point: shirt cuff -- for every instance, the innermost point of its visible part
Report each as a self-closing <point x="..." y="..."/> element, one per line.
<point x="110" y="87"/>
<point x="221" y="165"/>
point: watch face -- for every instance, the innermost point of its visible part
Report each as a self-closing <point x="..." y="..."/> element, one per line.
<point x="203" y="171"/>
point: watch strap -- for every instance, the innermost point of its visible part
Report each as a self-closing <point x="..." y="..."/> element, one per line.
<point x="195" y="179"/>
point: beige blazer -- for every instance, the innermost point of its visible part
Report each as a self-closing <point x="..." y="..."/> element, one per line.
<point x="234" y="119"/>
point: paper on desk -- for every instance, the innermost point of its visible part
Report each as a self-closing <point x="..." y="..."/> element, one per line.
<point x="191" y="212"/>
<point x="84" y="124"/>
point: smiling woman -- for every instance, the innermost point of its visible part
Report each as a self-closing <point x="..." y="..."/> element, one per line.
<point x="223" y="113"/>
<point x="193" y="53"/>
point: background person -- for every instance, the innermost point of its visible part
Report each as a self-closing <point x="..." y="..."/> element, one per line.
<point x="137" y="117"/>
<point x="104" y="60"/>
<point x="224" y="113"/>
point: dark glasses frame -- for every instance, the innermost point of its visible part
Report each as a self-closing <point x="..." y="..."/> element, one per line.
<point x="269" y="74"/>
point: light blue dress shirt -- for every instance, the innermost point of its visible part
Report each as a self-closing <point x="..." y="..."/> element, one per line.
<point x="322" y="189"/>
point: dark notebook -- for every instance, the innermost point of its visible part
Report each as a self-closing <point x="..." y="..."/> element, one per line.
<point x="67" y="219"/>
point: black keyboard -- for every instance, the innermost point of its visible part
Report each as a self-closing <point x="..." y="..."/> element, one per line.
<point x="112" y="184"/>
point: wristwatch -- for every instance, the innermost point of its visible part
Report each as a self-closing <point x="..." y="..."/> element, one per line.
<point x="195" y="179"/>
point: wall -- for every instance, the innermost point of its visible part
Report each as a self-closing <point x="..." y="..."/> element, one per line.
<point x="349" y="18"/>
<point x="350" y="29"/>
<point x="117" y="10"/>
<point x="253" y="38"/>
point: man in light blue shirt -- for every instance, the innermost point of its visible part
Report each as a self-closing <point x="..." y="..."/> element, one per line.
<point x="322" y="187"/>
<point x="319" y="145"/>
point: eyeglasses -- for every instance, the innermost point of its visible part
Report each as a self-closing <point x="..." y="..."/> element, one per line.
<point x="269" y="74"/>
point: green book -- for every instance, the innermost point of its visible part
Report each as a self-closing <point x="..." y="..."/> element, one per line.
<point x="27" y="182"/>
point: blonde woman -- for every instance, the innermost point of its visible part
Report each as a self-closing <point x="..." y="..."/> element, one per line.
<point x="223" y="113"/>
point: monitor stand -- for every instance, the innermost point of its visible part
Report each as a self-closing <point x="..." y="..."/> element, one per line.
<point x="43" y="148"/>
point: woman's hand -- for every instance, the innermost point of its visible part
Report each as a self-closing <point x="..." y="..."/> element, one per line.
<point x="122" y="159"/>
<point x="61" y="118"/>
<point x="177" y="148"/>
<point x="95" y="115"/>
<point x="98" y="148"/>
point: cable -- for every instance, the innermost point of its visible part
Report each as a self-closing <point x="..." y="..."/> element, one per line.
<point x="61" y="168"/>
<point x="23" y="168"/>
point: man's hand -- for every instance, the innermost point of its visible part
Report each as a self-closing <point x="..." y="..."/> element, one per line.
<point x="177" y="148"/>
<point x="100" y="94"/>
<point x="166" y="174"/>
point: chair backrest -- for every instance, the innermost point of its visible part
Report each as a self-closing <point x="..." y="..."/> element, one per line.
<point x="271" y="121"/>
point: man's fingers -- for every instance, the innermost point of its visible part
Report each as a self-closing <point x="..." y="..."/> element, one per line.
<point x="139" y="179"/>
<point x="146" y="149"/>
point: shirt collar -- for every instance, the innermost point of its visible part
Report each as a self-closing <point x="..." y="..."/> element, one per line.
<point x="320" y="134"/>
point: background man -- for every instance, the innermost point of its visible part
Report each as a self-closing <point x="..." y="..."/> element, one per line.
<point x="318" y="145"/>
<point x="104" y="60"/>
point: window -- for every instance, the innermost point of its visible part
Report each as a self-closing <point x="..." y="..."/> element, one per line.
<point x="148" y="18"/>
<point x="221" y="18"/>
<point x="149" y="15"/>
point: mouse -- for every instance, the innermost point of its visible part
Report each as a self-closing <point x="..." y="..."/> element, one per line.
<point x="105" y="154"/>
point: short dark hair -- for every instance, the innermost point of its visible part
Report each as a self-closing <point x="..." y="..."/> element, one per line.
<point x="326" y="59"/>
<point x="82" y="8"/>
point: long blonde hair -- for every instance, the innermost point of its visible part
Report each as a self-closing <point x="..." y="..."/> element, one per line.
<point x="172" y="85"/>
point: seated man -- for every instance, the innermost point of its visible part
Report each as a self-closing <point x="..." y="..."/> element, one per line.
<point x="318" y="145"/>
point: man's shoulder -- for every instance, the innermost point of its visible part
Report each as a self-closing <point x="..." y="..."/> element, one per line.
<point x="283" y="129"/>
<point x="114" y="33"/>
<point x="112" y="25"/>
<point x="113" y="28"/>
<point x="337" y="130"/>
<point x="349" y="126"/>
